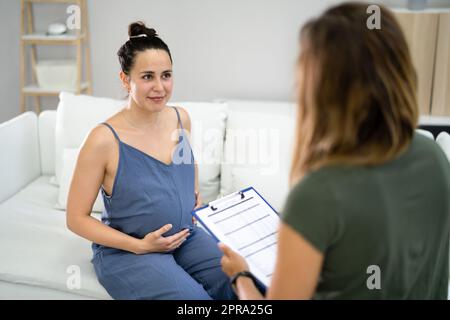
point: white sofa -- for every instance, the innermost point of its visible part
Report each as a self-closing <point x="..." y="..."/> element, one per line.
<point x="237" y="144"/>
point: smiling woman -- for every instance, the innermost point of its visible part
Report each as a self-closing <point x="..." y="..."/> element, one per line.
<point x="147" y="246"/>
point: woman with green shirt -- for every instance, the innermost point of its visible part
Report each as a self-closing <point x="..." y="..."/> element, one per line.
<point x="368" y="215"/>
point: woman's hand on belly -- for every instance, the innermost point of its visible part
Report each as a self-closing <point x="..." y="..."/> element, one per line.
<point x="155" y="242"/>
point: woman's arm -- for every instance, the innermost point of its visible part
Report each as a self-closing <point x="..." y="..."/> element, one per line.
<point x="297" y="268"/>
<point x="232" y="263"/>
<point x="87" y="179"/>
<point x="296" y="273"/>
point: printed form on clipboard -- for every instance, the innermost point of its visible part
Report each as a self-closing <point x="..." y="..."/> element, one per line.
<point x="249" y="225"/>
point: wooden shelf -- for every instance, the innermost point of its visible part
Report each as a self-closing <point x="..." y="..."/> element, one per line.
<point x="34" y="90"/>
<point x="41" y="38"/>
<point x="30" y="39"/>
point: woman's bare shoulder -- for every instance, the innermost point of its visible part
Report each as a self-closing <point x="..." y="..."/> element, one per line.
<point x="98" y="141"/>
<point x="101" y="138"/>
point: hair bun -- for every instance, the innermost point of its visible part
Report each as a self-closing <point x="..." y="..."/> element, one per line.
<point x="137" y="28"/>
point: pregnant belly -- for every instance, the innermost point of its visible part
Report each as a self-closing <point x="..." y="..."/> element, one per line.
<point x="140" y="225"/>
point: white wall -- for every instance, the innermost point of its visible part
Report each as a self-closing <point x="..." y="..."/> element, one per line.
<point x="232" y="48"/>
<point x="9" y="58"/>
<point x="221" y="48"/>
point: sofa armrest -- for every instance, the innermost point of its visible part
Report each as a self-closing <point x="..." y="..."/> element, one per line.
<point x="19" y="160"/>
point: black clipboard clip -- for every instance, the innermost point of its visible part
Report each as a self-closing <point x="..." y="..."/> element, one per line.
<point x="241" y="193"/>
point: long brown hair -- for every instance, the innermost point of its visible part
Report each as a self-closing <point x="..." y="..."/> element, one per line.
<point x="357" y="91"/>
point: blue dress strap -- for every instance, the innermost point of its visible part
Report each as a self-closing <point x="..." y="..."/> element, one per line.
<point x="113" y="131"/>
<point x="179" y="119"/>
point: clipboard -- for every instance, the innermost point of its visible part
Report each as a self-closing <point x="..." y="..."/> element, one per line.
<point x="248" y="224"/>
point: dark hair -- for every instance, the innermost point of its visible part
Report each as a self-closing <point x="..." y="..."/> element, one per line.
<point x="137" y="43"/>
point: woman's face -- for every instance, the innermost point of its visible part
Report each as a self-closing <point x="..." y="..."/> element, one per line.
<point x="150" y="80"/>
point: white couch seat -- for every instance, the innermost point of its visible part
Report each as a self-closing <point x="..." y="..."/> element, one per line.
<point x="43" y="248"/>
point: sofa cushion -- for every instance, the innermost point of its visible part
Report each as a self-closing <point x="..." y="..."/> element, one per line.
<point x="75" y="117"/>
<point x="273" y="190"/>
<point x="258" y="149"/>
<point x="425" y="133"/>
<point x="37" y="249"/>
<point x="69" y="160"/>
<point x="208" y="122"/>
<point x="443" y="140"/>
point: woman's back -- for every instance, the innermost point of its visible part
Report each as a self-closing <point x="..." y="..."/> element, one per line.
<point x="389" y="221"/>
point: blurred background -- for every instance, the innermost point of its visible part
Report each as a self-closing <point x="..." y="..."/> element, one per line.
<point x="221" y="49"/>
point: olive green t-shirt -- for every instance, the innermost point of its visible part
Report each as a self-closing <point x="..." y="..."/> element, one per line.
<point x="383" y="230"/>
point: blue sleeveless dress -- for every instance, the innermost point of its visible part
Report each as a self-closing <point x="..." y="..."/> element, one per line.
<point x="146" y="195"/>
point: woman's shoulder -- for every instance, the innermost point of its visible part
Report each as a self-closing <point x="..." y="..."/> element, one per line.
<point x="100" y="138"/>
<point x="424" y="143"/>
<point x="97" y="147"/>
<point x="102" y="135"/>
<point x="429" y="151"/>
<point x="312" y="183"/>
<point x="320" y="186"/>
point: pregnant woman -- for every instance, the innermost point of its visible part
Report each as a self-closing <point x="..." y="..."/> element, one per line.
<point x="146" y="246"/>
